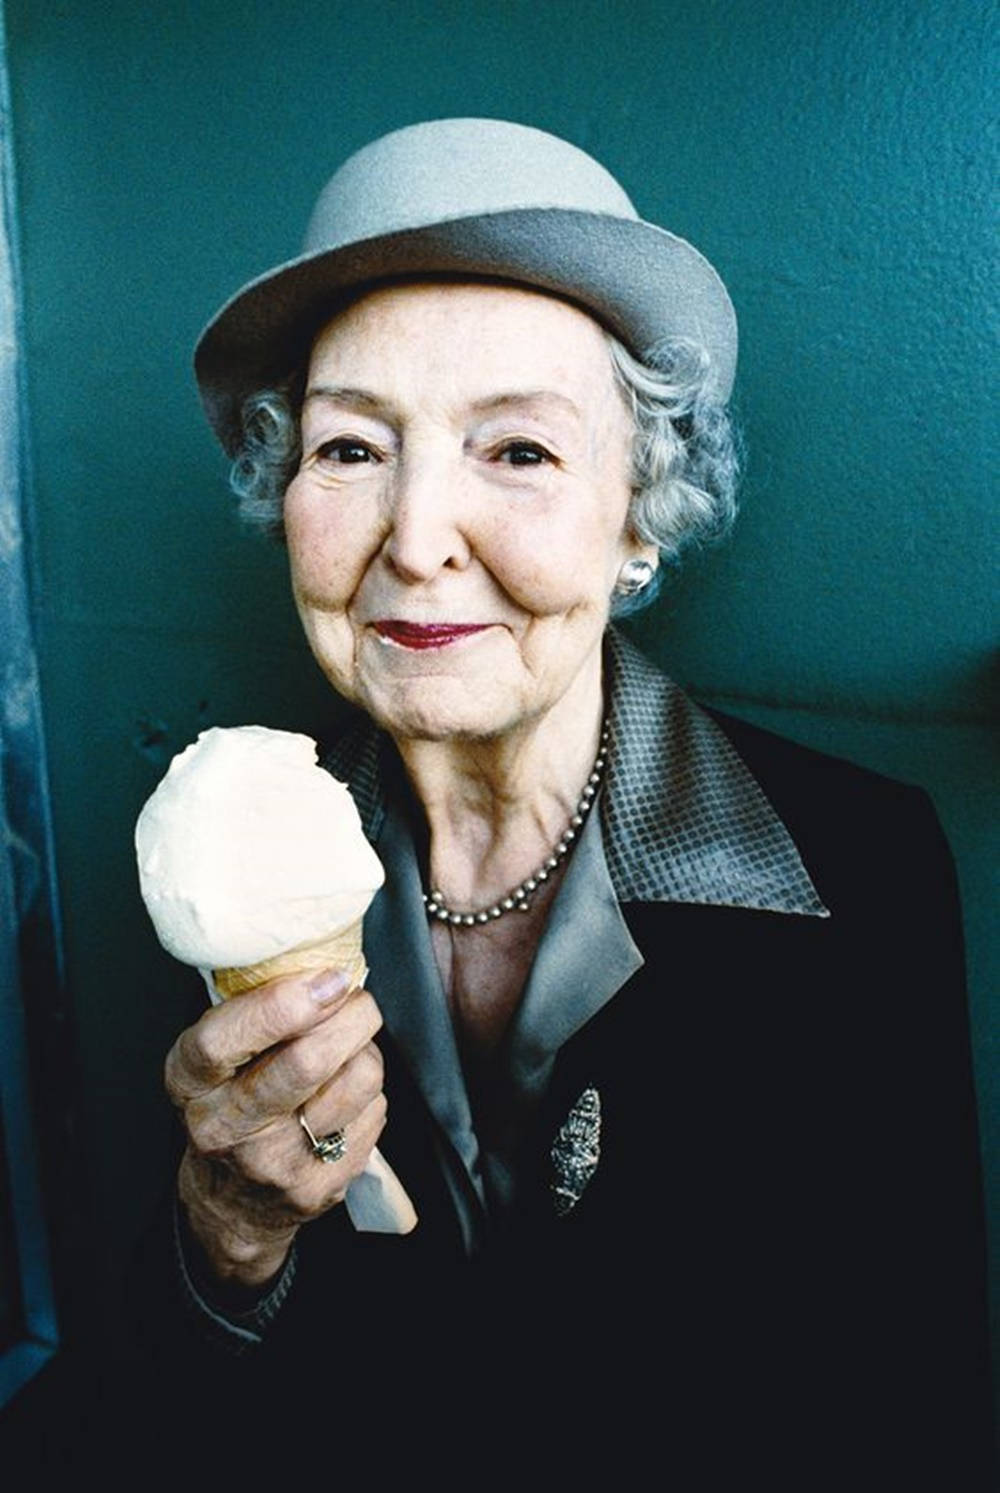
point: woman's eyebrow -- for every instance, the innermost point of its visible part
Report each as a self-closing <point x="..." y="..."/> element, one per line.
<point x="348" y="397"/>
<point x="520" y="397"/>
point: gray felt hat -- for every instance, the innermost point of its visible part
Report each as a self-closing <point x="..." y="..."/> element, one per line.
<point x="467" y="197"/>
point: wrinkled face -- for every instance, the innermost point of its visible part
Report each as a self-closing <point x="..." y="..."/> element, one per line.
<point x="458" y="520"/>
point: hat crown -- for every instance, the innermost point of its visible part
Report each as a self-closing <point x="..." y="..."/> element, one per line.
<point x="472" y="199"/>
<point x="457" y="168"/>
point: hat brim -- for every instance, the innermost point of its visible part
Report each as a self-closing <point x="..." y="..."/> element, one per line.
<point x="640" y="281"/>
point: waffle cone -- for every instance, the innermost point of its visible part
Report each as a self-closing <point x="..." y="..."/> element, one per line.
<point x="340" y="950"/>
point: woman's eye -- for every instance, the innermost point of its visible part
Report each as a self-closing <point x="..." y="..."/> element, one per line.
<point x="524" y="454"/>
<point x="345" y="451"/>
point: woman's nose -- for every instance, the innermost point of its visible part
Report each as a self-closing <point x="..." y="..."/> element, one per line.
<point x="426" y="532"/>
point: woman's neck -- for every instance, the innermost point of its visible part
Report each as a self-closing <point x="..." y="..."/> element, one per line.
<point x="496" y="807"/>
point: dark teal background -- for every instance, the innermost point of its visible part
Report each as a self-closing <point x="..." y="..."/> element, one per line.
<point x="833" y="161"/>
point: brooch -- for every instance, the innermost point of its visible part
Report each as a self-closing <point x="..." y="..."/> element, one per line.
<point x="576" y="1151"/>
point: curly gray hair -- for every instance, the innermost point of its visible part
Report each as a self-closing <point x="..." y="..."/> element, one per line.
<point x="685" y="453"/>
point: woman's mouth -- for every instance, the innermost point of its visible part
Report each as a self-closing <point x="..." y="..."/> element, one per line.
<point x="426" y="634"/>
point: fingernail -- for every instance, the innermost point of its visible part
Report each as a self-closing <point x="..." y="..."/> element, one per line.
<point x="325" y="987"/>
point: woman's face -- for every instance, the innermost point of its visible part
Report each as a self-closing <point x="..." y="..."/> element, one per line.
<point x="458" y="520"/>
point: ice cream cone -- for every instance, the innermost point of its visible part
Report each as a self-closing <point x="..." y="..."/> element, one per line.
<point x="340" y="950"/>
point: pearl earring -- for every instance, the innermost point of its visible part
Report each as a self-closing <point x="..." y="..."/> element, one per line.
<point x="634" y="576"/>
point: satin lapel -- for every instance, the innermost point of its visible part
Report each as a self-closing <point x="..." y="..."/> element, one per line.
<point x="405" y="981"/>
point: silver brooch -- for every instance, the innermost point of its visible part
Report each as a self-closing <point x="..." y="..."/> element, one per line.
<point x="576" y="1151"/>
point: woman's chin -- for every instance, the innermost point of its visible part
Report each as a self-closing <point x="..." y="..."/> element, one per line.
<point x="438" y="710"/>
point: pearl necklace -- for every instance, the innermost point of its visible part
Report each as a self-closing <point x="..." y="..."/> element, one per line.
<point x="519" y="897"/>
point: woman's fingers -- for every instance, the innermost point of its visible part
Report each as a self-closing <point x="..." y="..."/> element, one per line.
<point x="282" y="1079"/>
<point x="347" y="1093"/>
<point x="277" y="1155"/>
<point x="229" y="1036"/>
<point x="275" y="1084"/>
<point x="296" y="1185"/>
<point x="349" y="1105"/>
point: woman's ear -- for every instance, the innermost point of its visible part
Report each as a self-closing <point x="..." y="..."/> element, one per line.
<point x="639" y="549"/>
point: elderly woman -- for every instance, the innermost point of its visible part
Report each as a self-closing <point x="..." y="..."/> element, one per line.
<point x="665" y="1034"/>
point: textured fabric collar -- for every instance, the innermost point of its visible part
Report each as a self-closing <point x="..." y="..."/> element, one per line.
<point x="683" y="818"/>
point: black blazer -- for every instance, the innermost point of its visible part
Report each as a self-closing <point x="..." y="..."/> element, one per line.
<point x="777" y="1271"/>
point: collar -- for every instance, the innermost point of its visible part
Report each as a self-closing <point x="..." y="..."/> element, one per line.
<point x="685" y="819"/>
<point x="682" y="816"/>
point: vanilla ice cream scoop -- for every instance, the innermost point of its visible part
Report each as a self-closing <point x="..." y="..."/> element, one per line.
<point x="253" y="864"/>
<point x="248" y="848"/>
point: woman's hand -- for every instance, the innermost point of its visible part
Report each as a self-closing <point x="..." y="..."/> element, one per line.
<point x="240" y="1076"/>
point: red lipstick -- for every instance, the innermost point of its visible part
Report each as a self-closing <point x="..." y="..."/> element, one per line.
<point x="426" y="634"/>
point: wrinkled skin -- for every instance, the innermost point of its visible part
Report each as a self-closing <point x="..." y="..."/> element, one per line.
<point x="248" y="1179"/>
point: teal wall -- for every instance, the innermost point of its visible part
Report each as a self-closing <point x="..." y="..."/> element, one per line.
<point x="831" y="159"/>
